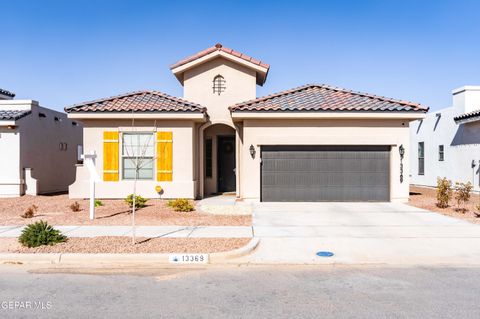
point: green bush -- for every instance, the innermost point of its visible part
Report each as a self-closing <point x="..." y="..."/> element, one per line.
<point x="139" y="201"/>
<point x="98" y="203"/>
<point x="180" y="205"/>
<point x="40" y="233"/>
<point x="444" y="192"/>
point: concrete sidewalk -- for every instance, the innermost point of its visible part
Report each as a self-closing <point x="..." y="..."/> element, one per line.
<point x="144" y="231"/>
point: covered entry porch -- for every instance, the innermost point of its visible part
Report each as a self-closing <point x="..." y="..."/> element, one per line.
<point x="219" y="159"/>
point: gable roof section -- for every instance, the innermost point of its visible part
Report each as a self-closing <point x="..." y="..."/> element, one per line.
<point x="139" y="101"/>
<point x="219" y="50"/>
<point x="324" y="98"/>
<point x="219" y="47"/>
<point x="13" y="115"/>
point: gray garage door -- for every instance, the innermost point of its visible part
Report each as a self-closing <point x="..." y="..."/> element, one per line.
<point x="325" y="173"/>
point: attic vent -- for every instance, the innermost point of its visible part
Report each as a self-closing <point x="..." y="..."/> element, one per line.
<point x="219" y="85"/>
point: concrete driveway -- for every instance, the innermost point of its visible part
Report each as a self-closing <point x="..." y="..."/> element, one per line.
<point x="358" y="233"/>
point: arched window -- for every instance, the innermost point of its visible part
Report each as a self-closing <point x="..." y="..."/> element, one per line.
<point x="218" y="85"/>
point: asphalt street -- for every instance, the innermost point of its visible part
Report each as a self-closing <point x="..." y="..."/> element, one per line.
<point x="240" y="292"/>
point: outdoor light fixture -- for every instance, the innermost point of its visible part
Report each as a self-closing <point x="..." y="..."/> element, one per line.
<point x="473" y="164"/>
<point x="401" y="150"/>
<point x="252" y="151"/>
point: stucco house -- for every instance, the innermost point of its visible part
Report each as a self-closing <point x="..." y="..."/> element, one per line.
<point x="447" y="142"/>
<point x="38" y="148"/>
<point x="311" y="143"/>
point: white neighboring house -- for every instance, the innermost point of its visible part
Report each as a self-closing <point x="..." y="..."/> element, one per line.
<point x="447" y="142"/>
<point x="38" y="148"/>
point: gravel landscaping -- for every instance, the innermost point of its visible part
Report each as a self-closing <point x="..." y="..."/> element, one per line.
<point x="56" y="210"/>
<point x="124" y="245"/>
<point x="424" y="197"/>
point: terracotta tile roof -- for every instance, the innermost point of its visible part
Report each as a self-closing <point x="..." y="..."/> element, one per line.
<point x="13" y="115"/>
<point x="219" y="47"/>
<point x="7" y="93"/>
<point x="313" y="97"/>
<point x="140" y="101"/>
<point x="474" y="115"/>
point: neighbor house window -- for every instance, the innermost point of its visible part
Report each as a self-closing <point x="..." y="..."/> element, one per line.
<point x="137" y="154"/>
<point x="218" y="85"/>
<point x="441" y="154"/>
<point x="421" y="158"/>
<point x="208" y="157"/>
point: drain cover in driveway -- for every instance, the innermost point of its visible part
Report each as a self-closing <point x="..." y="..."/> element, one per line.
<point x="324" y="254"/>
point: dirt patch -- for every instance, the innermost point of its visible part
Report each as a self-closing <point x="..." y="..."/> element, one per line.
<point x="424" y="197"/>
<point x="56" y="211"/>
<point x="110" y="244"/>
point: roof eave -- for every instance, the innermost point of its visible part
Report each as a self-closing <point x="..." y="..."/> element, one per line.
<point x="404" y="115"/>
<point x="195" y="116"/>
<point x="467" y="119"/>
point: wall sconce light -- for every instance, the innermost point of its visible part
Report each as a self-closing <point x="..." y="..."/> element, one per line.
<point x="473" y="164"/>
<point x="252" y="151"/>
<point x="401" y="151"/>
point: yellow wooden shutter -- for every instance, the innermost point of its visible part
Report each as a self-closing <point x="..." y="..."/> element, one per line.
<point x="164" y="156"/>
<point x="110" y="156"/>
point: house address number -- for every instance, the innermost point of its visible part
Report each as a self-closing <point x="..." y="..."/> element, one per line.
<point x="188" y="258"/>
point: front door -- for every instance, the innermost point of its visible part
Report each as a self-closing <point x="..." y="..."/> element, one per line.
<point x="226" y="163"/>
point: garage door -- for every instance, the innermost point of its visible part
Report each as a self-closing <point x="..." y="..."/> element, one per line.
<point x="325" y="173"/>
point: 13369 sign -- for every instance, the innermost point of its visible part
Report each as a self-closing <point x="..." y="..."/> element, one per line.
<point x="188" y="258"/>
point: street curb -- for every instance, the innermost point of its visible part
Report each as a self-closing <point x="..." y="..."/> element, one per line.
<point x="215" y="258"/>
<point x="99" y="259"/>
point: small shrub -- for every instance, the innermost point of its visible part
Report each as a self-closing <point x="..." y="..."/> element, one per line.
<point x="98" y="203"/>
<point x="477" y="214"/>
<point x="444" y="192"/>
<point x="30" y="212"/>
<point x="180" y="205"/>
<point x="75" y="207"/>
<point x="40" y="233"/>
<point x="462" y="194"/>
<point x="139" y="201"/>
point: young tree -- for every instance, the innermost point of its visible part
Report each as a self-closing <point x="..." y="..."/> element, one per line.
<point x="462" y="194"/>
<point x="136" y="153"/>
<point x="444" y="192"/>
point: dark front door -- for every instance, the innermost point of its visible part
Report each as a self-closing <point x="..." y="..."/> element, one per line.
<point x="325" y="173"/>
<point x="226" y="163"/>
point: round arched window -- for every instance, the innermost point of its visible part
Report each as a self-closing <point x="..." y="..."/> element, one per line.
<point x="218" y="85"/>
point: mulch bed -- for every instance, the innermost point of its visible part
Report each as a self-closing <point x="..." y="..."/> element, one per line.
<point x="56" y="210"/>
<point x="110" y="244"/>
<point x="424" y="197"/>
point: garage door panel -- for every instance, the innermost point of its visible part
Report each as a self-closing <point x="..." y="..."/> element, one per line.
<point x="325" y="173"/>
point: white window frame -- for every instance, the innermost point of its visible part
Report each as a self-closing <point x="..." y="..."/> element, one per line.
<point x="441" y="153"/>
<point x="124" y="156"/>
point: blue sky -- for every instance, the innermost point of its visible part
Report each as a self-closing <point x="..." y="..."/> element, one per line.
<point x="66" y="52"/>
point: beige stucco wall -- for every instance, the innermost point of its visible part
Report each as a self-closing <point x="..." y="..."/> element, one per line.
<point x="240" y="86"/>
<point x="184" y="181"/>
<point x="40" y="138"/>
<point x="34" y="144"/>
<point x="324" y="132"/>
